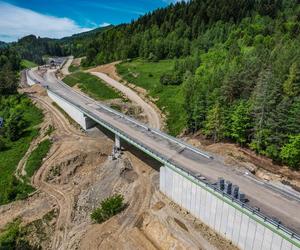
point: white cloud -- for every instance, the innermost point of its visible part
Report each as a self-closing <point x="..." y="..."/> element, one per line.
<point x="104" y="24"/>
<point x="16" y="22"/>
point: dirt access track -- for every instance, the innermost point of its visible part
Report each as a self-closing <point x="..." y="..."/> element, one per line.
<point x="109" y="75"/>
<point x="78" y="173"/>
<point x="260" y="166"/>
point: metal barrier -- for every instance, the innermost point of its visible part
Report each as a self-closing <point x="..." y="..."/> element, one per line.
<point x="155" y="131"/>
<point x="169" y="162"/>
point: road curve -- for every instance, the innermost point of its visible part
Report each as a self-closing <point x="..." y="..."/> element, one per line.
<point x="65" y="68"/>
<point x="271" y="202"/>
<point x="153" y="117"/>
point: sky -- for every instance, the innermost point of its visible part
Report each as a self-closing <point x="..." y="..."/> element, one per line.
<point x="60" y="18"/>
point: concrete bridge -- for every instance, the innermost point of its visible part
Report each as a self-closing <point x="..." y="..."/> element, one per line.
<point x="182" y="172"/>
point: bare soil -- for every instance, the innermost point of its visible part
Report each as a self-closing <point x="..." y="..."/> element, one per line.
<point x="77" y="174"/>
<point x="261" y="166"/>
<point x="65" y="69"/>
<point x="237" y="156"/>
<point x="156" y="118"/>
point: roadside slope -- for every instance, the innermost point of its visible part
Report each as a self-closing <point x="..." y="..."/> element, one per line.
<point x="153" y="116"/>
<point x="65" y="68"/>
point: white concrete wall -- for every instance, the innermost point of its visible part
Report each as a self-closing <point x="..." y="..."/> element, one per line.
<point x="73" y="112"/>
<point x="30" y="82"/>
<point x="245" y="230"/>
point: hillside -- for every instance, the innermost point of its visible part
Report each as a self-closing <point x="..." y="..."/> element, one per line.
<point x="2" y="44"/>
<point x="87" y="34"/>
<point x="237" y="65"/>
<point x="78" y="44"/>
<point x="34" y="48"/>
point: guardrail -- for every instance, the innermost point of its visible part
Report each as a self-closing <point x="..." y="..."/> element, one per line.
<point x="164" y="160"/>
<point x="169" y="162"/>
<point x="137" y="123"/>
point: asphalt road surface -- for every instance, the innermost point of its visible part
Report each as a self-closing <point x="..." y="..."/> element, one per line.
<point x="271" y="202"/>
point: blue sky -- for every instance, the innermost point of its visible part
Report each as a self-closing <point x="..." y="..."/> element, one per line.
<point x="59" y="18"/>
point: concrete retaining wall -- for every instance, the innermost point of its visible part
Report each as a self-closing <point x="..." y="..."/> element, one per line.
<point x="74" y="113"/>
<point x="30" y="82"/>
<point x="244" y="229"/>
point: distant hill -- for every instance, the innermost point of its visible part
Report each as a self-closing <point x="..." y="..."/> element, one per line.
<point x="33" y="48"/>
<point x="3" y="44"/>
<point x="77" y="44"/>
<point x="90" y="33"/>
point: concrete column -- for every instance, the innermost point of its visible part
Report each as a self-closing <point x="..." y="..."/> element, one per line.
<point x="117" y="142"/>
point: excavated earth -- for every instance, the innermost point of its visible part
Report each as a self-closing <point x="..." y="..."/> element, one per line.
<point x="78" y="173"/>
<point x="238" y="157"/>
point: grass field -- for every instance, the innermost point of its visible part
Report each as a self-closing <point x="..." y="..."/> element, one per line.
<point x="25" y="64"/>
<point x="74" y="68"/>
<point x="170" y="98"/>
<point x="91" y="85"/>
<point x="10" y="188"/>
<point x="34" y="161"/>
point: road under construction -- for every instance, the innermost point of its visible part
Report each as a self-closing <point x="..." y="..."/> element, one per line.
<point x="277" y="207"/>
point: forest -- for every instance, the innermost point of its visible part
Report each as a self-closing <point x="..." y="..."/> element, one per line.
<point x="238" y="62"/>
<point x="18" y="127"/>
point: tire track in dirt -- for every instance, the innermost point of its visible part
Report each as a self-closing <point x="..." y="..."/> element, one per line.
<point x="109" y="74"/>
<point x="142" y="195"/>
<point x="63" y="130"/>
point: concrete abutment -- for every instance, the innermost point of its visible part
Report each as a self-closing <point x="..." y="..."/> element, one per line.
<point x="78" y="116"/>
<point x="241" y="227"/>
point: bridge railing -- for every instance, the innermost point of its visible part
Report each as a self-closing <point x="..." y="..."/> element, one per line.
<point x="147" y="128"/>
<point x="169" y="162"/>
<point x="164" y="160"/>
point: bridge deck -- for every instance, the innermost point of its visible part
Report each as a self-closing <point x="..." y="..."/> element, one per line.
<point x="271" y="202"/>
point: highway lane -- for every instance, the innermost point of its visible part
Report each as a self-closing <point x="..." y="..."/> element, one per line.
<point x="271" y="202"/>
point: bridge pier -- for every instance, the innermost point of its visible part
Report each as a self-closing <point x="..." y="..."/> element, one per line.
<point x="116" y="152"/>
<point x="117" y="142"/>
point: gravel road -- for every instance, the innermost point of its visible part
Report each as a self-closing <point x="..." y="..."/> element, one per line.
<point x="152" y="115"/>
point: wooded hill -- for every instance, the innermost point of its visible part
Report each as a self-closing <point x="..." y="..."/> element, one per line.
<point x="238" y="61"/>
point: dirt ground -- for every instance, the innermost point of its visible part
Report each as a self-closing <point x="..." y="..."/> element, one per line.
<point x="261" y="166"/>
<point x="141" y="98"/>
<point x="77" y="174"/>
<point x="235" y="156"/>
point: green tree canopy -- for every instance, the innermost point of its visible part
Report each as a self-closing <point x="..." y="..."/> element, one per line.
<point x="290" y="153"/>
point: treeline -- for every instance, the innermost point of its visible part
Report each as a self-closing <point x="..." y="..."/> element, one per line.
<point x="30" y="48"/>
<point x="78" y="44"/>
<point x="247" y="87"/>
<point x="17" y="127"/>
<point x="33" y="48"/>
<point x="176" y="31"/>
<point x="9" y="66"/>
<point x="238" y="61"/>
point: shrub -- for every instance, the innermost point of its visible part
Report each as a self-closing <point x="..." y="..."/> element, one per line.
<point x="35" y="160"/>
<point x="152" y="58"/>
<point x="15" y="125"/>
<point x="170" y="79"/>
<point x="108" y="208"/>
<point x="13" y="237"/>
<point x="2" y="144"/>
<point x="290" y="152"/>
<point x="50" y="130"/>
